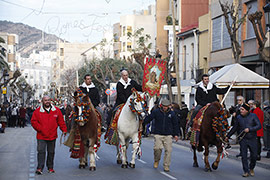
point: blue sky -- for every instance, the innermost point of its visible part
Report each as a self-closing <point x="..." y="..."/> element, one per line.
<point x="73" y="20"/>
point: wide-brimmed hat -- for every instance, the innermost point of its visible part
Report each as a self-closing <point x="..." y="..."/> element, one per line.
<point x="165" y="102"/>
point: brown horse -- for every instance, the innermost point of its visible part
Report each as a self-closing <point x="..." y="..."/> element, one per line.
<point x="213" y="130"/>
<point x="87" y="123"/>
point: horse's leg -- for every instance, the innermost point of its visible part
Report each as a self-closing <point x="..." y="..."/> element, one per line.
<point x="92" y="166"/>
<point x="83" y="160"/>
<point x="206" y="154"/>
<point x="135" y="145"/>
<point x="123" y="149"/>
<point x="216" y="162"/>
<point x="119" y="161"/>
<point x="195" y="162"/>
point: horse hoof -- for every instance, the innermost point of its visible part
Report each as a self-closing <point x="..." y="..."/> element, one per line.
<point x="92" y="168"/>
<point x="214" y="166"/>
<point x="81" y="166"/>
<point x="124" y="166"/>
<point x="208" y="169"/>
<point x="195" y="165"/>
<point x="132" y="165"/>
<point x="119" y="161"/>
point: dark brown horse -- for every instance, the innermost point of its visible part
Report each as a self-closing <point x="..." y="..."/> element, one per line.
<point x="212" y="132"/>
<point x="87" y="123"/>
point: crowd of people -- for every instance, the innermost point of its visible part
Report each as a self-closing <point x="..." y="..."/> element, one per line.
<point x="13" y="115"/>
<point x="250" y="118"/>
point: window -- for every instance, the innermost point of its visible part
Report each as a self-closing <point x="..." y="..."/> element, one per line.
<point x="61" y="51"/>
<point x="124" y="30"/>
<point x="129" y="29"/>
<point x="250" y="31"/>
<point x="61" y="64"/>
<point x="192" y="60"/>
<point x="220" y="36"/>
<point x="129" y="46"/>
<point x="124" y="46"/>
<point x="184" y="60"/>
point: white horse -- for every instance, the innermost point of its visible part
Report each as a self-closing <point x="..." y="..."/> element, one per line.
<point x="128" y="126"/>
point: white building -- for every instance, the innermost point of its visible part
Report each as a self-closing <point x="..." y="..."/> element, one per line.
<point x="37" y="71"/>
<point x="130" y="23"/>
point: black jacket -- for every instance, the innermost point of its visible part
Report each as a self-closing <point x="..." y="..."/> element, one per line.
<point x="93" y="95"/>
<point x="123" y="94"/>
<point x="251" y="121"/>
<point x="164" y="123"/>
<point x="202" y="98"/>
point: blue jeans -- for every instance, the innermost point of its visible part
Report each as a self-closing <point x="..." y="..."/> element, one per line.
<point x="250" y="144"/>
<point x="41" y="149"/>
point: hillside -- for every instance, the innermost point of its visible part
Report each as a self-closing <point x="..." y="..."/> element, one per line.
<point x="30" y="38"/>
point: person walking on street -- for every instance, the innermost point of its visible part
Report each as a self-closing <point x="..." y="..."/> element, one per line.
<point x="249" y="124"/>
<point x="164" y="127"/>
<point x="45" y="121"/>
<point x="257" y="110"/>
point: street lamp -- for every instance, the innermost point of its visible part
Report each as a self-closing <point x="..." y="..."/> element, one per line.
<point x="107" y="82"/>
<point x="23" y="85"/>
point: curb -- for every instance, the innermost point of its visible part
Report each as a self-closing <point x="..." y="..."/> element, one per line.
<point x="258" y="163"/>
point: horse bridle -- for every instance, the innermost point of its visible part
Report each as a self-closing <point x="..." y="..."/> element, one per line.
<point x="140" y="100"/>
<point x="85" y="108"/>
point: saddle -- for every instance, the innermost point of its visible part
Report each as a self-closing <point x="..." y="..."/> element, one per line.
<point x="195" y="130"/>
<point x="111" y="134"/>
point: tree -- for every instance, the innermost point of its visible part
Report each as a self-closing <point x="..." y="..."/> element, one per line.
<point x="142" y="47"/>
<point x="109" y="68"/>
<point x="255" y="19"/>
<point x="231" y="12"/>
<point x="69" y="76"/>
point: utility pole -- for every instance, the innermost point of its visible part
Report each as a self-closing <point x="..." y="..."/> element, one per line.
<point x="179" y="97"/>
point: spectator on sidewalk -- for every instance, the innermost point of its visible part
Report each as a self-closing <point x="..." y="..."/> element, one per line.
<point x="249" y="124"/>
<point x="22" y="115"/>
<point x="257" y="110"/>
<point x="45" y="121"/>
<point x="164" y="128"/>
<point x="266" y="125"/>
<point x="14" y="116"/>
<point x="3" y="118"/>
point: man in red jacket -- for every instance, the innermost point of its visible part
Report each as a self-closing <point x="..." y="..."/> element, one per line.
<point x="257" y="110"/>
<point x="45" y="121"/>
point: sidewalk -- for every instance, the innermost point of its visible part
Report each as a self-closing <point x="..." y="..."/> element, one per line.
<point x="233" y="151"/>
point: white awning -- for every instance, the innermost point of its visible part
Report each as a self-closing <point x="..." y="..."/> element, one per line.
<point x="245" y="77"/>
<point x="184" y="89"/>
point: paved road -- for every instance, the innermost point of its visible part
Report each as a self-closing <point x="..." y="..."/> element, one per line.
<point x="18" y="162"/>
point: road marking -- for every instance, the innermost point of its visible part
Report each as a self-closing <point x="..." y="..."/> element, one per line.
<point x="141" y="161"/>
<point x="169" y="176"/>
<point x="32" y="161"/>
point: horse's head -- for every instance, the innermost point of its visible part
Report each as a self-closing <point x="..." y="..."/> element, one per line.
<point x="82" y="108"/>
<point x="138" y="104"/>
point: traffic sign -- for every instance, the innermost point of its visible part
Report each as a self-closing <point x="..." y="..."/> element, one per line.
<point x="108" y="92"/>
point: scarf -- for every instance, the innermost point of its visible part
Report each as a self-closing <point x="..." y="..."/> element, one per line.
<point x="88" y="86"/>
<point x="209" y="86"/>
<point x="126" y="84"/>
